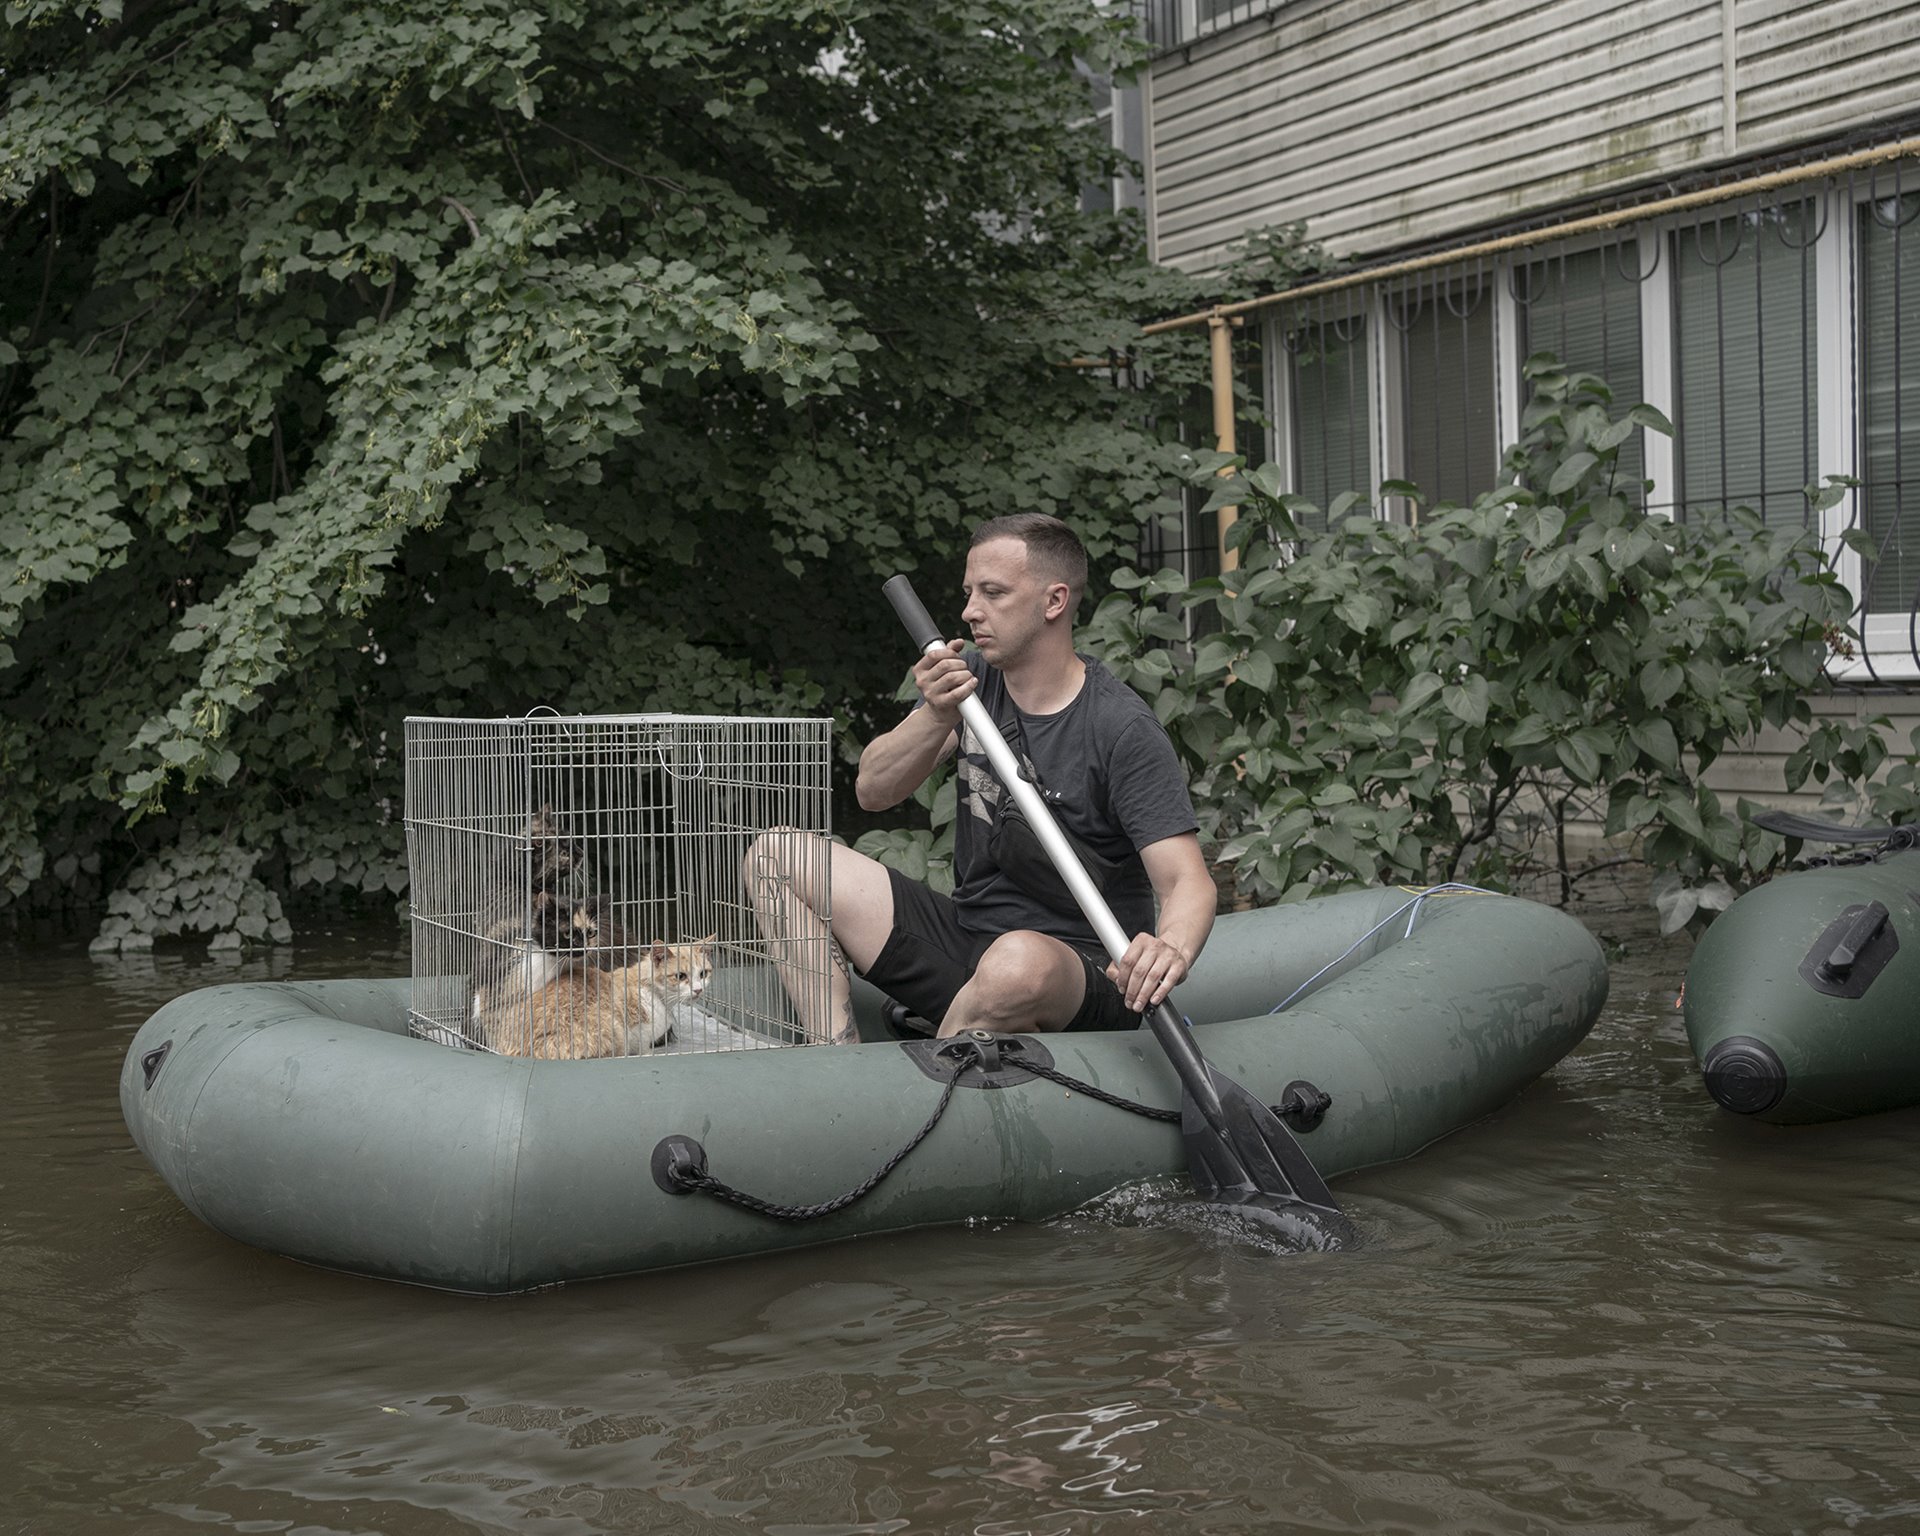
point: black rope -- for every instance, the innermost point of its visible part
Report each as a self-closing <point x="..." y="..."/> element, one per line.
<point x="689" y="1180"/>
<point x="1074" y="1084"/>
<point x="706" y="1183"/>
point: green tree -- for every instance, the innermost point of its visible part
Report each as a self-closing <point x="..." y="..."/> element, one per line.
<point x="359" y="360"/>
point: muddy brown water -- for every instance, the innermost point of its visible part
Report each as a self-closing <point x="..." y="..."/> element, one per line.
<point x="1611" y="1307"/>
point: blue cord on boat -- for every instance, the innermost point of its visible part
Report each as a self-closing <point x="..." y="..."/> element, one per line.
<point x="1412" y="909"/>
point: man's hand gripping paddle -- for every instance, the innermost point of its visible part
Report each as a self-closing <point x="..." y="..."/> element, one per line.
<point x="1237" y="1150"/>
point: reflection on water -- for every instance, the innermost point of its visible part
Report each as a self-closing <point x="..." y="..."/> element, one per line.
<point x="1612" y="1307"/>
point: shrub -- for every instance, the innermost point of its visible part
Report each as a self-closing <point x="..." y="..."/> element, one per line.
<point x="1403" y="699"/>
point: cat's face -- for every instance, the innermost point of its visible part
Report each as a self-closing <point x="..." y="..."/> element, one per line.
<point x="684" y="968"/>
<point x="588" y="924"/>
<point x="555" y="851"/>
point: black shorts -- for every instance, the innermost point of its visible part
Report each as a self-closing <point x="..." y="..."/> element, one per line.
<point x="929" y="956"/>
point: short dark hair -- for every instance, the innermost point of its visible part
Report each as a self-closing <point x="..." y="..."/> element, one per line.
<point x="1054" y="550"/>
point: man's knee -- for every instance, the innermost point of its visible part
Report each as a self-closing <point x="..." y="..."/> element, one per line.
<point x="1026" y="968"/>
<point x="783" y="858"/>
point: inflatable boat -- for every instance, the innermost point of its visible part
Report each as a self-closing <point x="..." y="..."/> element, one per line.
<point x="305" y="1119"/>
<point x="1803" y="998"/>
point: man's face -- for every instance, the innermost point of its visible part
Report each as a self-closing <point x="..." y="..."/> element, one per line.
<point x="1006" y="602"/>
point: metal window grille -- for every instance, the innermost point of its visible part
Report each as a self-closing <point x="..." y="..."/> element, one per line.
<point x="1173" y="23"/>
<point x="1442" y="325"/>
<point x="1778" y="330"/>
<point x="610" y="885"/>
<point x="1745" y="396"/>
<point x="1324" y="352"/>
<point x="1583" y="306"/>
<point x="1886" y="275"/>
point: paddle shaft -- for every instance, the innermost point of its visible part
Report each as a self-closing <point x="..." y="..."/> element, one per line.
<point x="1166" y="1023"/>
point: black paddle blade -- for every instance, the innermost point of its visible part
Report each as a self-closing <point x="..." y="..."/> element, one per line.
<point x="1251" y="1160"/>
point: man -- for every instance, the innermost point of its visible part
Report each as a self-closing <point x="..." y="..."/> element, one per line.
<point x="1003" y="953"/>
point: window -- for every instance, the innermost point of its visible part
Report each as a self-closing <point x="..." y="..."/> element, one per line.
<point x="1782" y="339"/>
<point x="1889" y="299"/>
<point x="1584" y="308"/>
<point x="1326" y="363"/>
<point x="1744" y="297"/>
<point x="1169" y="23"/>
<point x="1449" y="447"/>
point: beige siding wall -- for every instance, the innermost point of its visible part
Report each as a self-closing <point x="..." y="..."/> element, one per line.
<point x="1382" y="122"/>
<point x="1758" y="771"/>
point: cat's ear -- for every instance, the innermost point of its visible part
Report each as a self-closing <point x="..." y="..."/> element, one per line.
<point x="709" y="941"/>
<point x="662" y="952"/>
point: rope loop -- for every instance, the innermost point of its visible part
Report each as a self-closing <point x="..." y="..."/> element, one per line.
<point x="691" y="1180"/>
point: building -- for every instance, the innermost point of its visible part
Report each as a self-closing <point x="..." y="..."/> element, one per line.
<point x="1715" y="204"/>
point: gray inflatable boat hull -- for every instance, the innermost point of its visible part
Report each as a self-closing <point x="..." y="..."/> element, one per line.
<point x="302" y="1118"/>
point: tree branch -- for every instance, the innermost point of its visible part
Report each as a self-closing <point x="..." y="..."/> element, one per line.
<point x="473" y="224"/>
<point x="601" y="154"/>
<point x="185" y="310"/>
<point x="143" y="66"/>
<point x="53" y="243"/>
<point x="506" y="143"/>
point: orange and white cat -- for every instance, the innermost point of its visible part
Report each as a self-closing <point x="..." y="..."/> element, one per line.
<point x="586" y="1011"/>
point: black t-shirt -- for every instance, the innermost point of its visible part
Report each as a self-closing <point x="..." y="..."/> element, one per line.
<point x="1112" y="781"/>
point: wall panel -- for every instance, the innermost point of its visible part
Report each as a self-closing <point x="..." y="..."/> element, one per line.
<point x="1383" y="124"/>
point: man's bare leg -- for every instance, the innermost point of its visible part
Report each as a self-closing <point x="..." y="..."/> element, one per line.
<point x="1024" y="983"/>
<point x="789" y="875"/>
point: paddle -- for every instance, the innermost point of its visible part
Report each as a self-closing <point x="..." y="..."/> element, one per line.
<point x="1238" y="1152"/>
<point x="1815" y="829"/>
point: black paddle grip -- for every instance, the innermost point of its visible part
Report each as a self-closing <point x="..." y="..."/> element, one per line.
<point x="913" y="613"/>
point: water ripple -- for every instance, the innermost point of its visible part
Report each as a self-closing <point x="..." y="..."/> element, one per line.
<point x="1610" y="1307"/>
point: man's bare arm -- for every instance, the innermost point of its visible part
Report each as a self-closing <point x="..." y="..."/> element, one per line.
<point x="894" y="765"/>
<point x="1155" y="963"/>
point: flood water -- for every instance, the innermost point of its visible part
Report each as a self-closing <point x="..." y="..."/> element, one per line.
<point x="1612" y="1307"/>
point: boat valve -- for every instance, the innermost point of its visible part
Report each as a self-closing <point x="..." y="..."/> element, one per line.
<point x="1302" y="1105"/>
<point x="679" y="1165"/>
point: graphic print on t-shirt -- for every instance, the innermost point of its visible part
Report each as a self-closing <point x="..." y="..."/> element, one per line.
<point x="983" y="791"/>
<point x="1111" y="781"/>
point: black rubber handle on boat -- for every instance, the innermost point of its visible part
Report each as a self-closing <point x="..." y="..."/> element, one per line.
<point x="1237" y="1148"/>
<point x="913" y="613"/>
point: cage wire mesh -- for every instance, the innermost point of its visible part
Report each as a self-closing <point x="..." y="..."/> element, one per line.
<point x="588" y="886"/>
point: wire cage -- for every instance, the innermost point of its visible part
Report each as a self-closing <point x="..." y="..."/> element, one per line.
<point x="608" y="885"/>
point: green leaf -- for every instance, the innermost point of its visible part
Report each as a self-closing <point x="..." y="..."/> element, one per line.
<point x="1530" y="732"/>
<point x="1543" y="570"/>
<point x="1466" y="702"/>
<point x="1861" y="543"/>
<point x="1660" y="680"/>
<point x="1422" y="687"/>
<point x="1655" y="737"/>
<point x="1613" y="434"/>
<point x="1647" y="416"/>
<point x="1571" y="473"/>
<point x="1256" y="671"/>
<point x="1577" y="756"/>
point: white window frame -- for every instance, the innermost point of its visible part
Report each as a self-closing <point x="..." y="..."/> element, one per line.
<point x="1887" y="646"/>
<point x="1657" y="363"/>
